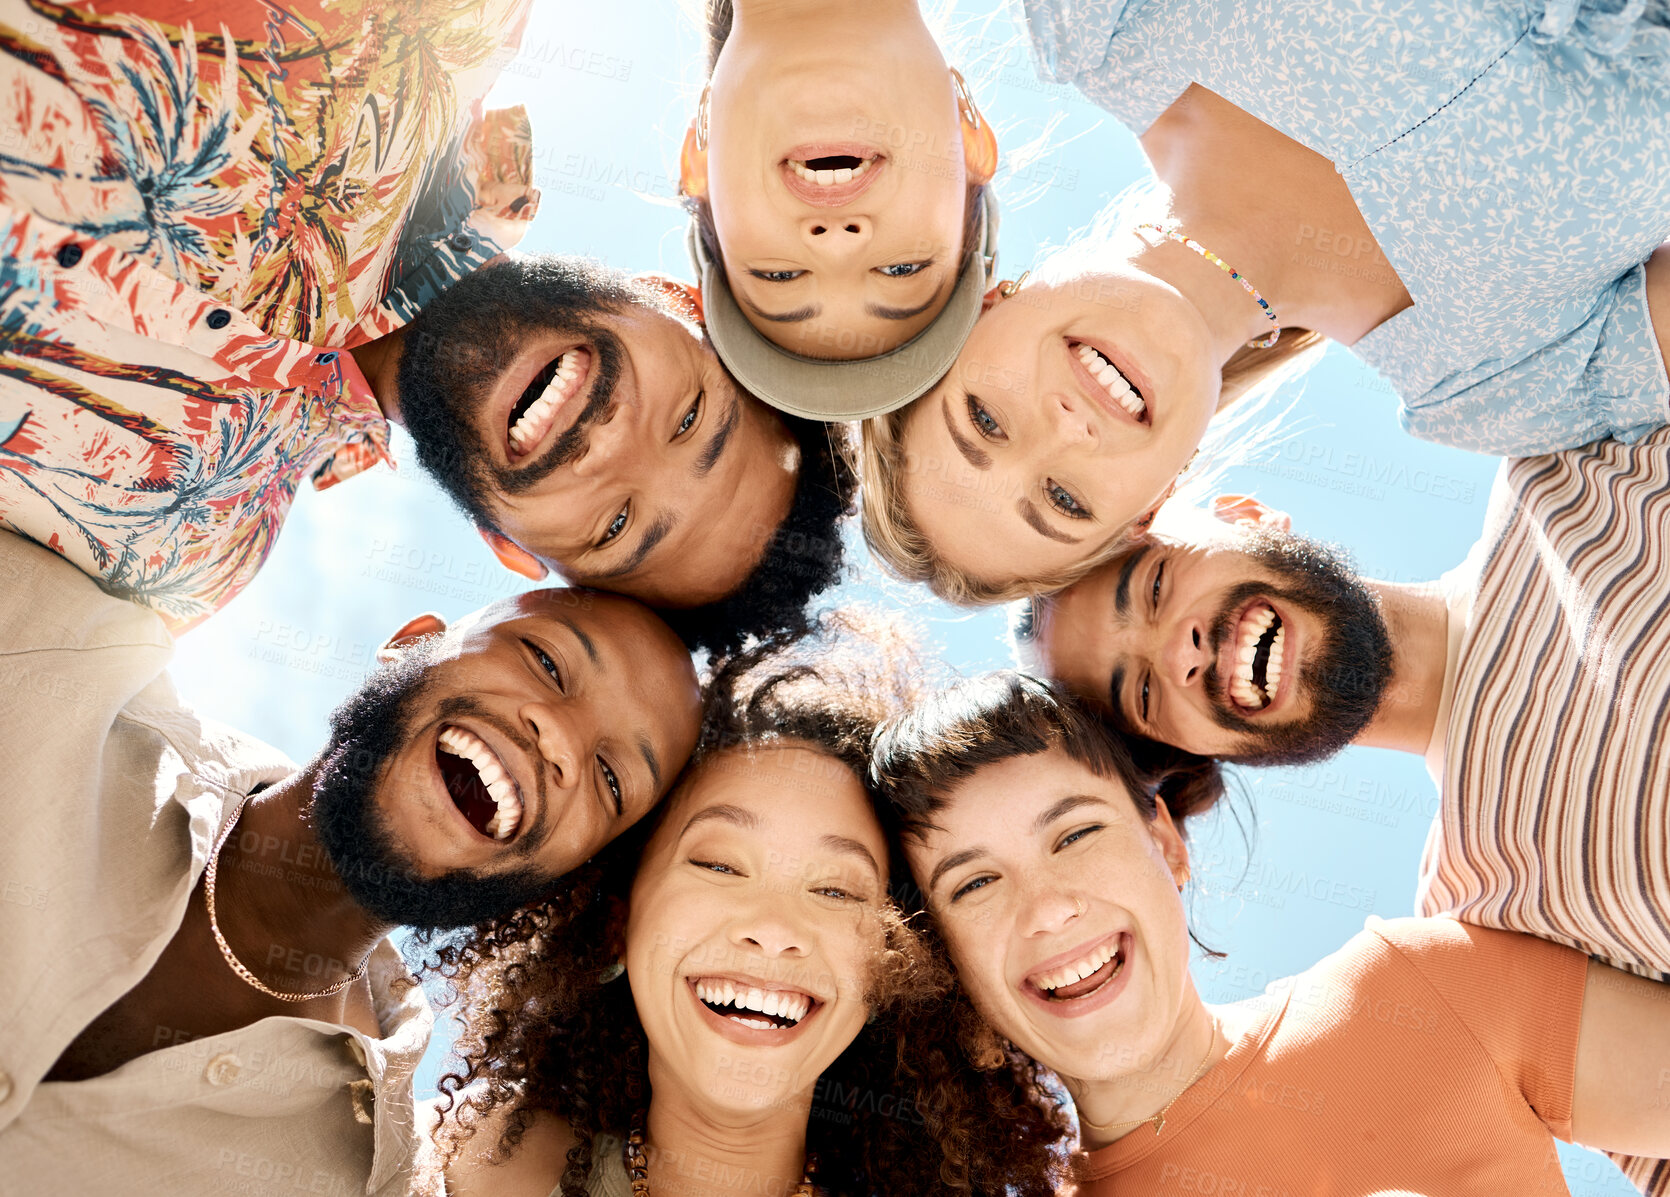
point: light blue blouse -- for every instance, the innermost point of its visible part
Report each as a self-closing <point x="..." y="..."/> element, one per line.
<point x="1511" y="158"/>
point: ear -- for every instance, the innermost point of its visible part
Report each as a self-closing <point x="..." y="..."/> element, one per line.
<point x="992" y="298"/>
<point x="513" y="556"/>
<point x="692" y="162"/>
<point x="1246" y="510"/>
<point x="686" y="298"/>
<point x="1146" y="521"/>
<point x="1170" y="842"/>
<point x="979" y="138"/>
<point x="415" y="628"/>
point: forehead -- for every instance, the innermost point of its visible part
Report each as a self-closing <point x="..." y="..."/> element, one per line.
<point x="1011" y="794"/>
<point x="790" y="793"/>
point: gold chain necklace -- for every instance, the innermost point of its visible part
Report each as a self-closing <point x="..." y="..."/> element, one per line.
<point x="232" y="960"/>
<point x="637" y="1165"/>
<point x="1159" y="1120"/>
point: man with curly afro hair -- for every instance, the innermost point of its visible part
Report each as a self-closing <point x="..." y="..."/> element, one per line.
<point x="582" y="420"/>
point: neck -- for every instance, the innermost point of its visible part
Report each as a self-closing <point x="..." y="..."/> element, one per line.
<point x="695" y="1150"/>
<point x="379" y="361"/>
<point x="279" y="901"/>
<point x="1231" y="316"/>
<point x="1109" y="1109"/>
<point x="1418" y="621"/>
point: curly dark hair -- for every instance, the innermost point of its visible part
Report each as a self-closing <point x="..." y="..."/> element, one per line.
<point x="804" y="557"/>
<point x="899" y="1111"/>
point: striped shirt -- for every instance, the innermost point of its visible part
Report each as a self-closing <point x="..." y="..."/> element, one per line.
<point x="1555" y="810"/>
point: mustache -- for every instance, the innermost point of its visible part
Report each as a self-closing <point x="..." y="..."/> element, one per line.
<point x="571" y="444"/>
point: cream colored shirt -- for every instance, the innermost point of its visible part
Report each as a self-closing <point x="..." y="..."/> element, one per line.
<point x="114" y="792"/>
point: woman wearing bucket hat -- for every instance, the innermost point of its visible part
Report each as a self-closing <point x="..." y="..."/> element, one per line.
<point x="842" y="228"/>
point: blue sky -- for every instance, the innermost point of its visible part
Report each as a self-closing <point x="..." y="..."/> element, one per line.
<point x="610" y="88"/>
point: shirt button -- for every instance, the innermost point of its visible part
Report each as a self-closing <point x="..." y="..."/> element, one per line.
<point x="325" y="359"/>
<point x="5" y="1087"/>
<point x="69" y="255"/>
<point x="219" y="318"/>
<point x="461" y="241"/>
<point x="223" y="1069"/>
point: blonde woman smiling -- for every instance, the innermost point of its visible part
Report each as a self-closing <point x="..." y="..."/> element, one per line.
<point x="1471" y="196"/>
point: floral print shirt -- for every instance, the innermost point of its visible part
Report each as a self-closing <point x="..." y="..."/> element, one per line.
<point x="1512" y="158"/>
<point x="203" y="207"/>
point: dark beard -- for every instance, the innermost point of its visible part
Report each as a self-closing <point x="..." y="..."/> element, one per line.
<point x="366" y="732"/>
<point x="468" y="335"/>
<point x="1346" y="675"/>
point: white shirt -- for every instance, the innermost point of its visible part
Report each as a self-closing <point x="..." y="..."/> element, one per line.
<point x="115" y="794"/>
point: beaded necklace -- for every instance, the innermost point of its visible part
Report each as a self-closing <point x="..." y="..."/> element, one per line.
<point x="1173" y="233"/>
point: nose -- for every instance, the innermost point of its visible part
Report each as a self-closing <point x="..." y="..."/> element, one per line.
<point x="763" y="924"/>
<point x="1187" y="652"/>
<point x="837" y="235"/>
<point x="1049" y="908"/>
<point x="559" y="741"/>
<point x="1069" y="419"/>
<point x="613" y="441"/>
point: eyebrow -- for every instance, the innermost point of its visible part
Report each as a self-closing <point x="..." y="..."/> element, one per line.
<point x="657" y="533"/>
<point x="851" y="847"/>
<point x="585" y="640"/>
<point x="720" y="438"/>
<point x="724" y="812"/>
<point x="955" y="860"/>
<point x="1122" y="591"/>
<point x="1064" y="807"/>
<point x="885" y="313"/>
<point x="793" y="316"/>
<point x="977" y="457"/>
<point x="1029" y="513"/>
<point x="1116" y="694"/>
<point x="648" y="751"/>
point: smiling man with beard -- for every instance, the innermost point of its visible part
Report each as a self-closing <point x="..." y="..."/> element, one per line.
<point x="581" y="419"/>
<point x="1534" y="679"/>
<point x="200" y="993"/>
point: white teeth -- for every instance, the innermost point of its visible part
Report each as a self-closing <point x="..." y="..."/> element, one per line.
<point x="779" y="1003"/>
<point x="1079" y="969"/>
<point x="1112" y="381"/>
<point x="829" y="178"/>
<point x="1242" y="688"/>
<point x="531" y="426"/>
<point x="500" y="788"/>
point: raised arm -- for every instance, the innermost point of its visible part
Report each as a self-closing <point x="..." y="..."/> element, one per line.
<point x="1621" y="1100"/>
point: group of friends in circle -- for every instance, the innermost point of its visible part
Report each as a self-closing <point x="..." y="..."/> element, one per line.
<point x="731" y="891"/>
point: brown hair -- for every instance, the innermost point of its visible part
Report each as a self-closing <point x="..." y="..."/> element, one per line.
<point x="898" y="542"/>
<point x="923" y="754"/>
<point x="898" y="1112"/>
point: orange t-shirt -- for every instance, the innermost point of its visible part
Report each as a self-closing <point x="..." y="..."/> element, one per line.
<point x="1425" y="1057"/>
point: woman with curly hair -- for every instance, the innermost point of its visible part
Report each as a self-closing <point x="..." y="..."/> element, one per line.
<point x="742" y="1010"/>
<point x="1425" y="1056"/>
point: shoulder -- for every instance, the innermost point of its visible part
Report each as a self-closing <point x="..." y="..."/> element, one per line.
<point x="532" y="1168"/>
<point x="47" y="604"/>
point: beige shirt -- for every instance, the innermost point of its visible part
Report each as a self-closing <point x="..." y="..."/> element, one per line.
<point x="114" y="793"/>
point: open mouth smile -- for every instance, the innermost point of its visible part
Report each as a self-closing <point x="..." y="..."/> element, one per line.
<point x="478" y="783"/>
<point x="1258" y="648"/>
<point x="829" y="175"/>
<point x="1107" y="385"/>
<point x="754" y="1011"/>
<point x="542" y="401"/>
<point x="1088" y="980"/>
